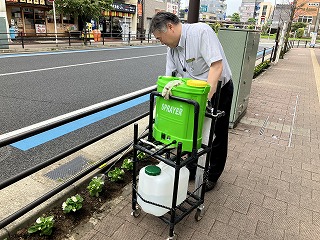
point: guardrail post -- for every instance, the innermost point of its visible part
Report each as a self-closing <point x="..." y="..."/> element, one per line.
<point x="149" y="37"/>
<point x="264" y="53"/>
<point x="272" y="52"/>
<point x="298" y="43"/>
<point x="69" y="35"/>
<point x="129" y="37"/>
<point x="22" y="42"/>
<point x="306" y="44"/>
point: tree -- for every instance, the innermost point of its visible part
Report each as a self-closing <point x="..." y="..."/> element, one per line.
<point x="215" y="26"/>
<point x="235" y="17"/>
<point x="252" y="20"/>
<point x="295" y="26"/>
<point x="85" y="9"/>
<point x="264" y="29"/>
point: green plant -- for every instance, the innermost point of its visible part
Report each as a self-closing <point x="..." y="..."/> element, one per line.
<point x="73" y="203"/>
<point x="300" y="32"/>
<point x="215" y="26"/>
<point x="95" y="186"/>
<point x="42" y="224"/>
<point x="127" y="164"/>
<point x="116" y="175"/>
<point x="259" y="68"/>
<point x="141" y="155"/>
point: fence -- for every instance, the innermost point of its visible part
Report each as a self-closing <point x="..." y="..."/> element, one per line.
<point x="20" y="134"/>
<point x="69" y="38"/>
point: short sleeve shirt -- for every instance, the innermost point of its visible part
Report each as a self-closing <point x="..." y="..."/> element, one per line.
<point x="198" y="48"/>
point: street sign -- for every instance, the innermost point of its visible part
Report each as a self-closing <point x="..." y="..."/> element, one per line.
<point x="315" y="4"/>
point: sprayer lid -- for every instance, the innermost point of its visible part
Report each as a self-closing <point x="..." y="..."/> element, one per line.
<point x="152" y="170"/>
<point x="196" y="83"/>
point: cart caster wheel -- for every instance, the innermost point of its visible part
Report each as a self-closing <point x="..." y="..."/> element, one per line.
<point x="199" y="214"/>
<point x="136" y="213"/>
<point x="173" y="238"/>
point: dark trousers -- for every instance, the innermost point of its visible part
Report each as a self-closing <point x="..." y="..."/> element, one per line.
<point x="219" y="150"/>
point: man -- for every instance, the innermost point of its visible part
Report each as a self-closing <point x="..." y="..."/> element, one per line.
<point x="195" y="52"/>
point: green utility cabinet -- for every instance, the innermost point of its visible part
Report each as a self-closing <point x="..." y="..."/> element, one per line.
<point x="240" y="47"/>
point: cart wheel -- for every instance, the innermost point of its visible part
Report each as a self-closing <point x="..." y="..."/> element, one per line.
<point x="199" y="214"/>
<point x="136" y="213"/>
<point x="173" y="238"/>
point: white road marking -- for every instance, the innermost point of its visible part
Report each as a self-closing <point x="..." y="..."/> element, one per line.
<point x="79" y="64"/>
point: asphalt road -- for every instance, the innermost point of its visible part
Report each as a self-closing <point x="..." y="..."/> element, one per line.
<point x="37" y="87"/>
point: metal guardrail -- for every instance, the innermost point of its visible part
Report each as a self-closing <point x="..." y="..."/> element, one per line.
<point x="32" y="130"/>
<point x="69" y="38"/>
<point x="263" y="53"/>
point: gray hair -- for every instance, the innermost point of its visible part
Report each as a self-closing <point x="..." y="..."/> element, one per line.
<point x="161" y="19"/>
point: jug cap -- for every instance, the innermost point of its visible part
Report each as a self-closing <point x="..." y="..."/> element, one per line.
<point x="152" y="170"/>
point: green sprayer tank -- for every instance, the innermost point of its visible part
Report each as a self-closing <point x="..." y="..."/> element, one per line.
<point x="174" y="120"/>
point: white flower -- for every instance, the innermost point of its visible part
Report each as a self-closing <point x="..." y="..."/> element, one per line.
<point x="38" y="220"/>
<point x="74" y="199"/>
<point x="64" y="205"/>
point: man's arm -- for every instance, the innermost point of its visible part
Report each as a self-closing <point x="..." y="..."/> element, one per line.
<point x="170" y="66"/>
<point x="214" y="76"/>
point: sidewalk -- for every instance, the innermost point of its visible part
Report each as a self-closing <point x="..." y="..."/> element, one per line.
<point x="270" y="188"/>
<point x="40" y="47"/>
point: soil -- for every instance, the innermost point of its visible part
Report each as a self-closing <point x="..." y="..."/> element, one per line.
<point x="65" y="223"/>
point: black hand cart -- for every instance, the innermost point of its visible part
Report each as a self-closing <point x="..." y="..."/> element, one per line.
<point x="176" y="159"/>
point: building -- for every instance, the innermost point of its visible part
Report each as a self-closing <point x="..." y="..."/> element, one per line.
<point x="307" y="12"/>
<point x="249" y="9"/>
<point x="213" y="9"/>
<point x="31" y="16"/>
<point x="36" y="17"/>
<point x="281" y="14"/>
<point x="265" y="14"/>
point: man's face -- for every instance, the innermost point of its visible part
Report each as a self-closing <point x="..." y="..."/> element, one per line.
<point x="169" y="37"/>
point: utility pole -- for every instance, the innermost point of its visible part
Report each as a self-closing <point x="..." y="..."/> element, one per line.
<point x="193" y="13"/>
<point x="316" y="26"/>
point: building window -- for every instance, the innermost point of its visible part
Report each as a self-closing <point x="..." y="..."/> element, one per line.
<point x="305" y="19"/>
<point x="29" y="18"/>
<point x="39" y="16"/>
<point x="264" y="10"/>
<point x="51" y="19"/>
<point x="68" y="19"/>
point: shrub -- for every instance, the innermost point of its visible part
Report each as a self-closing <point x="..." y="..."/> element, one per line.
<point x="73" y="203"/>
<point x="95" y="186"/>
<point x="127" y="164"/>
<point x="42" y="224"/>
<point x="116" y="175"/>
<point x="300" y="32"/>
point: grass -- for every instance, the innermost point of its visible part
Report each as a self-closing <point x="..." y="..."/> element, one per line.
<point x="273" y="36"/>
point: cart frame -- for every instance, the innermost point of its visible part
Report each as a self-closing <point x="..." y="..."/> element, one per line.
<point x="193" y="201"/>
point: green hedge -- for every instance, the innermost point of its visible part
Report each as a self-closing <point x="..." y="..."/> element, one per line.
<point x="259" y="68"/>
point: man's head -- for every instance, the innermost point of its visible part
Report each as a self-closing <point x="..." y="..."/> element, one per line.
<point x="166" y="27"/>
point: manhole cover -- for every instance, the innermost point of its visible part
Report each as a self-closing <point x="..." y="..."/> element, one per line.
<point x="69" y="169"/>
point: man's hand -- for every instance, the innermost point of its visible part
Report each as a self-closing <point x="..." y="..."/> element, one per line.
<point x="209" y="108"/>
<point x="166" y="92"/>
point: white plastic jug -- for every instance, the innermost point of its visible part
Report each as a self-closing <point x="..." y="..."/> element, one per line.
<point x="156" y="185"/>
